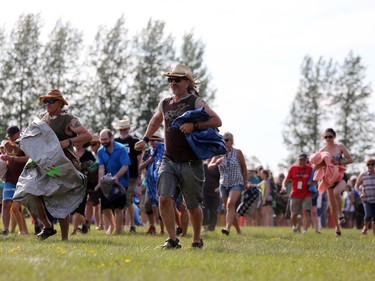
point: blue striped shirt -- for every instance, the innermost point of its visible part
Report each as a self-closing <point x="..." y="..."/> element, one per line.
<point x="368" y="187"/>
<point x="230" y="170"/>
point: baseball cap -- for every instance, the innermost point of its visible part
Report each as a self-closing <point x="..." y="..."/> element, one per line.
<point x="303" y="156"/>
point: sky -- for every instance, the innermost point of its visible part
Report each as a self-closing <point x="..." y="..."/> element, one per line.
<point x="254" y="50"/>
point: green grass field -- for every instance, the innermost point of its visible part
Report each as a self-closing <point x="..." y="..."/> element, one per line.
<point x="259" y="254"/>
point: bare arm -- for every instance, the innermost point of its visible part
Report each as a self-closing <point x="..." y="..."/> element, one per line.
<point x="241" y="158"/>
<point x="83" y="135"/>
<point x="348" y="158"/>
<point x="101" y="171"/>
<point x="144" y="163"/>
<point x="215" y="161"/>
<point x="358" y="183"/>
<point x="284" y="184"/>
<point x="17" y="159"/>
<point x="139" y="160"/>
<point x="213" y="122"/>
<point x="267" y="191"/>
<point x="120" y="173"/>
<point x="152" y="127"/>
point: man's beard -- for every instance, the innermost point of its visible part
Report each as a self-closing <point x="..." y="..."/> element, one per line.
<point x="106" y="144"/>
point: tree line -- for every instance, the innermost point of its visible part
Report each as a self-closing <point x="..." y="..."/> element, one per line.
<point x="331" y="94"/>
<point x="118" y="75"/>
<point x="115" y="76"/>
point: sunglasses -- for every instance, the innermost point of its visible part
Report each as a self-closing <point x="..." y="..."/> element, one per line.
<point x="176" y="79"/>
<point x="94" y="143"/>
<point x="226" y="140"/>
<point x="370" y="164"/>
<point x="328" y="137"/>
<point x="49" y="101"/>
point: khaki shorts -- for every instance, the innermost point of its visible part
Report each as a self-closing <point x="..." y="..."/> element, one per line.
<point x="130" y="192"/>
<point x="299" y="204"/>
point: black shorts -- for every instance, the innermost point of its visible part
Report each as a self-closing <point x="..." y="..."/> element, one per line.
<point x="94" y="198"/>
<point x="118" y="203"/>
<point x="81" y="208"/>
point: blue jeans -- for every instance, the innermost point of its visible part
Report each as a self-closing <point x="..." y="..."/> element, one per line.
<point x="224" y="190"/>
<point x="369" y="211"/>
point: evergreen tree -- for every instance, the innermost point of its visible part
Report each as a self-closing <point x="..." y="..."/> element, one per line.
<point x="303" y="126"/>
<point x="2" y="55"/>
<point x="105" y="98"/>
<point x="192" y="55"/>
<point x="154" y="55"/>
<point x="60" y="59"/>
<point x="20" y="72"/>
<point x="355" y="124"/>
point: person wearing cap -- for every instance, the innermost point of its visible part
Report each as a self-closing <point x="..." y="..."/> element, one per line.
<point x="16" y="160"/>
<point x="300" y="197"/>
<point x="124" y="126"/>
<point x="69" y="131"/>
<point x="180" y="166"/>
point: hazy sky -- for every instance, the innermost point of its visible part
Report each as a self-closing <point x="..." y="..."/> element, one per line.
<point x="254" y="49"/>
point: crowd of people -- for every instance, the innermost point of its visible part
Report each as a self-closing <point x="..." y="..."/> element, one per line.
<point x="56" y="170"/>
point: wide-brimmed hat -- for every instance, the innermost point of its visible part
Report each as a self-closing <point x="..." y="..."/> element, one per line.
<point x="122" y="124"/>
<point x="3" y="142"/>
<point x="157" y="137"/>
<point x="181" y="71"/>
<point x="95" y="139"/>
<point x="53" y="94"/>
<point x="11" y="131"/>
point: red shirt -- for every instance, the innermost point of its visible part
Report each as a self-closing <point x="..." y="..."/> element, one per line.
<point x="300" y="178"/>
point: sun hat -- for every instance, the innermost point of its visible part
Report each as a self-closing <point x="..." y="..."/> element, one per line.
<point x="122" y="124"/>
<point x="157" y="137"/>
<point x="3" y="142"/>
<point x="53" y="94"/>
<point x="95" y="139"/>
<point x="181" y="71"/>
<point x="11" y="131"/>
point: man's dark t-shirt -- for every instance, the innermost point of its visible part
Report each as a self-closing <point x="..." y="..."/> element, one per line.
<point x="129" y="143"/>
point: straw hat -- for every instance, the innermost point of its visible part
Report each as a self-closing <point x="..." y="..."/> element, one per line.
<point x="53" y="94"/>
<point x="3" y="142"/>
<point x="157" y="137"/>
<point x="95" y="139"/>
<point x="122" y="124"/>
<point x="181" y="71"/>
